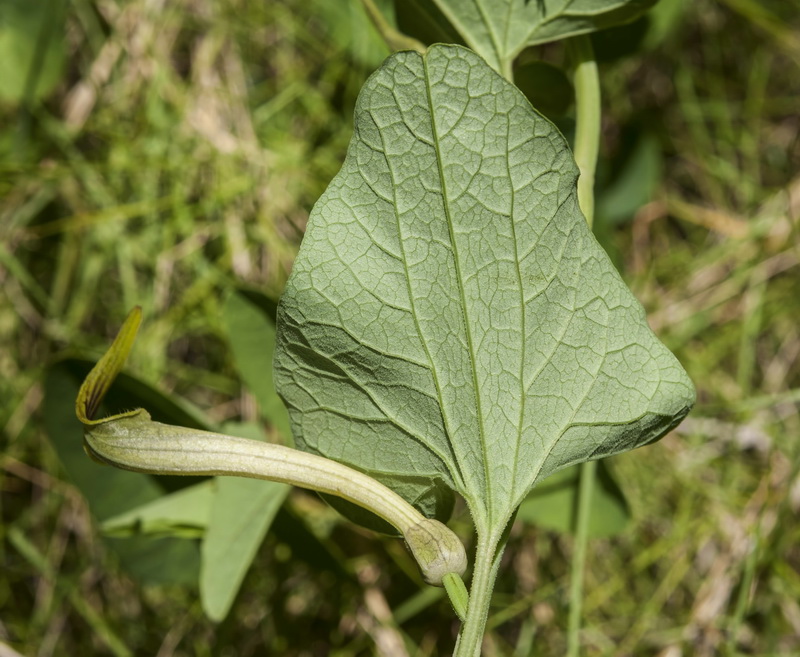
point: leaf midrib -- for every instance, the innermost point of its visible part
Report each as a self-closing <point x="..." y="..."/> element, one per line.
<point x="457" y="475"/>
<point x="522" y="313"/>
<point x="486" y="494"/>
<point x="490" y="29"/>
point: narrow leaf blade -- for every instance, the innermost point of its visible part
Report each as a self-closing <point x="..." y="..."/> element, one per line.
<point x="241" y="512"/>
<point x="250" y="323"/>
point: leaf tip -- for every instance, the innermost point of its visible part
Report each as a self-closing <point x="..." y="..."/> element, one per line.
<point x="99" y="380"/>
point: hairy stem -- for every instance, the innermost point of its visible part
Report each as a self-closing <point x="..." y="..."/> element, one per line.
<point x="487" y="559"/>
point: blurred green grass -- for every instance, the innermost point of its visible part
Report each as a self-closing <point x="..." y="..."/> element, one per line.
<point x="178" y="153"/>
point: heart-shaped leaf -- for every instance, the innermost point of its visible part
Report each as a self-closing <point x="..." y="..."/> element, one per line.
<point x="499" y="30"/>
<point x="450" y="321"/>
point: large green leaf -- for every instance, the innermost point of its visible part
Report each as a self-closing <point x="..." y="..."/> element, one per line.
<point x="499" y="30"/>
<point x="450" y="321"/>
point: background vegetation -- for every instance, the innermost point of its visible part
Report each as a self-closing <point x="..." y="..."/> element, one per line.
<point x="162" y="153"/>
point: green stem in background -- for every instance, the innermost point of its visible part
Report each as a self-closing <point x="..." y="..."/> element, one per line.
<point x="585" y="493"/>
<point x="587" y="147"/>
<point x="487" y="560"/>
<point x="587" y="119"/>
<point x="132" y="441"/>
<point x="395" y="39"/>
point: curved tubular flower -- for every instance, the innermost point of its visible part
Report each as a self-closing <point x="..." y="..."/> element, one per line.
<point x="133" y="441"/>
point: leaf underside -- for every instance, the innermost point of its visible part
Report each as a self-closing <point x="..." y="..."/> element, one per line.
<point x="450" y="321"/>
<point x="499" y="30"/>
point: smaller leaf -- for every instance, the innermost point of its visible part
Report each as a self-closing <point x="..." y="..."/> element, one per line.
<point x="184" y="514"/>
<point x="457" y="592"/>
<point x="554" y="503"/>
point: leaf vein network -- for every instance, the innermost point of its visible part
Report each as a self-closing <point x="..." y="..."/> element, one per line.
<point x="454" y="250"/>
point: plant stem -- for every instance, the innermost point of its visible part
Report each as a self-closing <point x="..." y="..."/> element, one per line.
<point x="487" y="560"/>
<point x="587" y="120"/>
<point x="588" y="470"/>
<point x="587" y="147"/>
